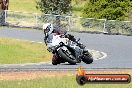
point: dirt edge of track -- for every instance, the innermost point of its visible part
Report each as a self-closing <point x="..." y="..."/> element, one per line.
<point x="29" y="75"/>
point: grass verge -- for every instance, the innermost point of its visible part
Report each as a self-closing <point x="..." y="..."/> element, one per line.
<point x="14" y="51"/>
<point x="24" y="6"/>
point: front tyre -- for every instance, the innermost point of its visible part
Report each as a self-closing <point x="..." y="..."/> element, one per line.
<point x="67" y="56"/>
<point x="87" y="58"/>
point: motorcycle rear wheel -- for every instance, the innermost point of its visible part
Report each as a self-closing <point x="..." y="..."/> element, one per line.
<point x="87" y="58"/>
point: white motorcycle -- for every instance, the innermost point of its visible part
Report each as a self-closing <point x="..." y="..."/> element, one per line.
<point x="66" y="50"/>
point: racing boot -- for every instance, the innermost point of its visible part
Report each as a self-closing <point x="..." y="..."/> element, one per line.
<point x="57" y="59"/>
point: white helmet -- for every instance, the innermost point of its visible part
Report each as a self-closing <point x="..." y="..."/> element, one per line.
<point x="48" y="28"/>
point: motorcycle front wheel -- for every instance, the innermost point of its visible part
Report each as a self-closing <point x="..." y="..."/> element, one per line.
<point x="67" y="56"/>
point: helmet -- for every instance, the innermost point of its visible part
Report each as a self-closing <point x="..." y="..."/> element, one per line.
<point x="48" y="28"/>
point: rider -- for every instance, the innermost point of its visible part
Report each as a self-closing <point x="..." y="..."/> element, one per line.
<point x="49" y="32"/>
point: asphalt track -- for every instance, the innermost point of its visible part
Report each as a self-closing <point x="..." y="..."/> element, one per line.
<point x="117" y="47"/>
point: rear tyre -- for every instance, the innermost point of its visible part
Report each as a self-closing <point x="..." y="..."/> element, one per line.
<point x="87" y="58"/>
<point x="71" y="60"/>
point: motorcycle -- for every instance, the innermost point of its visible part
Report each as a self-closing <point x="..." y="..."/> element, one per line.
<point x="66" y="50"/>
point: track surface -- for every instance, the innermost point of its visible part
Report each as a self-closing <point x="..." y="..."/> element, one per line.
<point x="117" y="47"/>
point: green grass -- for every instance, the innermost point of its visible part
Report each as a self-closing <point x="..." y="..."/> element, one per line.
<point x="56" y="82"/>
<point x="23" y="6"/>
<point x="16" y="51"/>
<point x="77" y="6"/>
<point x="30" y="6"/>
